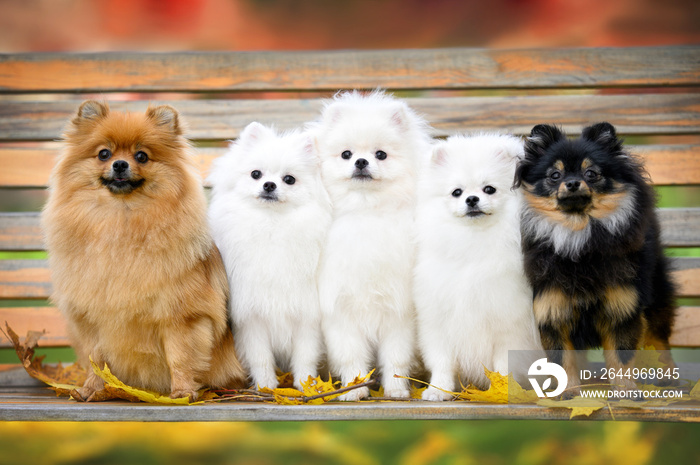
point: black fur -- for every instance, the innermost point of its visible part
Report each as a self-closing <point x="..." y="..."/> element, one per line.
<point x="630" y="255"/>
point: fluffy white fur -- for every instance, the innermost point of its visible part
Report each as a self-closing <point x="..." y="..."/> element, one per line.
<point x="472" y="298"/>
<point x="366" y="272"/>
<point x="271" y="249"/>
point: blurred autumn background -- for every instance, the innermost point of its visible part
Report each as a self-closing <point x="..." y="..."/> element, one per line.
<point x="160" y="25"/>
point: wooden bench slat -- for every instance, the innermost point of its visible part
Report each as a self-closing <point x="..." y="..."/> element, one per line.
<point x="30" y="167"/>
<point x="42" y="405"/>
<point x="680" y="227"/>
<point x="454" y="68"/>
<point x="24" y="279"/>
<point x="23" y="319"/>
<point x="31" y="279"/>
<point x="21" y="231"/>
<point x="686" y="332"/>
<point x="224" y="119"/>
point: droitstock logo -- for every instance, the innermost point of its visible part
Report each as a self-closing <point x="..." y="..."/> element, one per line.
<point x="541" y="368"/>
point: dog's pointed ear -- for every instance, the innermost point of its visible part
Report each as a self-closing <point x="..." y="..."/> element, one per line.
<point x="165" y="115"/>
<point x="308" y="145"/>
<point x="602" y="133"/>
<point x="439" y="155"/>
<point x="541" y="138"/>
<point x="400" y="118"/>
<point x="91" y="110"/>
<point x="253" y="132"/>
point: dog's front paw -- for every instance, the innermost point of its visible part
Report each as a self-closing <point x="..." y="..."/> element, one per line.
<point x="180" y="393"/>
<point x="355" y="394"/>
<point x="397" y="393"/>
<point x="85" y="394"/>
<point x="433" y="394"/>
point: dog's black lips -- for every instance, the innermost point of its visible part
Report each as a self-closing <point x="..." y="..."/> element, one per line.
<point x="122" y="186"/>
<point x="362" y="175"/>
<point x="268" y="196"/>
<point x="475" y="213"/>
<point x="574" y="203"/>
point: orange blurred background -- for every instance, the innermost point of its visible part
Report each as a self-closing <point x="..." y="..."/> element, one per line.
<point x="156" y="25"/>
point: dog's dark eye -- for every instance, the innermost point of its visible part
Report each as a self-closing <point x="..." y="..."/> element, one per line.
<point x="289" y="180"/>
<point x="255" y="174"/>
<point x="380" y="154"/>
<point x="104" y="155"/>
<point x="346" y="155"/>
<point x="555" y="176"/>
<point x="490" y="190"/>
<point x="141" y="157"/>
<point x="590" y="175"/>
<point x="456" y="192"/>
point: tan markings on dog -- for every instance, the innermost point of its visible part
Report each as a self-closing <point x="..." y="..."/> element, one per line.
<point x="620" y="301"/>
<point x="587" y="163"/>
<point x="548" y="207"/>
<point x="559" y="165"/>
<point x="562" y="191"/>
<point x="570" y="362"/>
<point x="605" y="205"/>
<point x="582" y="188"/>
<point x="612" y="361"/>
<point x="551" y="305"/>
<point x="543" y="204"/>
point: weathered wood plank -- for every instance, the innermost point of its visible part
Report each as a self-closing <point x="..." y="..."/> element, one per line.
<point x="455" y="68"/>
<point x="680" y="227"/>
<point x="24" y="279"/>
<point x="35" y="406"/>
<point x="686" y="329"/>
<point x="21" y="279"/>
<point x="224" y="119"/>
<point x="22" y="319"/>
<point x="21" y="231"/>
<point x="30" y="167"/>
<point x="31" y="279"/>
<point x="670" y="165"/>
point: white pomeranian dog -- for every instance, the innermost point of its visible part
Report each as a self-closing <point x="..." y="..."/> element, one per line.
<point x="472" y="298"/>
<point x="370" y="147"/>
<point x="269" y="215"/>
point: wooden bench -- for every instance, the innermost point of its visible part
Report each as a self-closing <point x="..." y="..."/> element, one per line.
<point x="652" y="96"/>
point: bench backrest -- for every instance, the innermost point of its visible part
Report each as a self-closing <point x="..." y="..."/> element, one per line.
<point x="651" y="95"/>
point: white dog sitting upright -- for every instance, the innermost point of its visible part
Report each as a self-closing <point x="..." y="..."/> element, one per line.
<point x="370" y="147"/>
<point x="472" y="298"/>
<point x="270" y="215"/>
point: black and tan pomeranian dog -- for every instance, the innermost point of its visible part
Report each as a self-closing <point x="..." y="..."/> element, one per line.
<point x="592" y="249"/>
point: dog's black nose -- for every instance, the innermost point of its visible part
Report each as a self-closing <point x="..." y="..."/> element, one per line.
<point x="120" y="166"/>
<point x="472" y="200"/>
<point x="573" y="185"/>
<point x="361" y="163"/>
<point x="269" y="186"/>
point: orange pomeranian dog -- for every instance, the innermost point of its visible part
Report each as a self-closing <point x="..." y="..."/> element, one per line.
<point x="134" y="269"/>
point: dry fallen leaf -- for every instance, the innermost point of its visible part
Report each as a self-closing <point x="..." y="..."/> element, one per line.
<point x="111" y="381"/>
<point x="578" y="405"/>
<point x="503" y="389"/>
<point x="59" y="378"/>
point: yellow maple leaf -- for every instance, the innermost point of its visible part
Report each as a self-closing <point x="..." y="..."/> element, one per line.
<point x="313" y="387"/>
<point x="143" y="395"/>
<point x="503" y="389"/>
<point x="417" y="393"/>
<point x="578" y="405"/>
<point x="695" y="392"/>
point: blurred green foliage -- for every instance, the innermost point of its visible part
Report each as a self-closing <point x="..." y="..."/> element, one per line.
<point x="382" y="442"/>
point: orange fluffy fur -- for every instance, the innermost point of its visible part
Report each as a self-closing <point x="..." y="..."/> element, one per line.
<point x="136" y="274"/>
